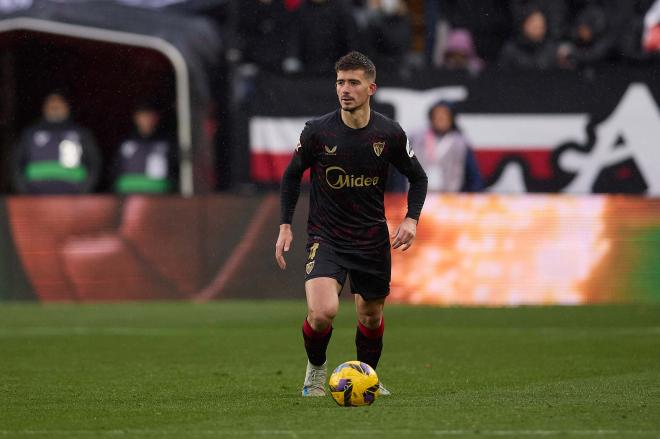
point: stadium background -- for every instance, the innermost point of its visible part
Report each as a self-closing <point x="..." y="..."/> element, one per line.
<point x="570" y="159"/>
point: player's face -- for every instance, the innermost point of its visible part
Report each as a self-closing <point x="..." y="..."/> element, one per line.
<point x="353" y="89"/>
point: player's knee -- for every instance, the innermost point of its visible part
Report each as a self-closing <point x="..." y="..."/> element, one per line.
<point x="371" y="319"/>
<point x="319" y="320"/>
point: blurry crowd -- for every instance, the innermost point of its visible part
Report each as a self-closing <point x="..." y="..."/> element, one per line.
<point x="57" y="155"/>
<point x="404" y="36"/>
<point x="307" y="36"/>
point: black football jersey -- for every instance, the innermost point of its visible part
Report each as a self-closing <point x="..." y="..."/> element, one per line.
<point x="348" y="170"/>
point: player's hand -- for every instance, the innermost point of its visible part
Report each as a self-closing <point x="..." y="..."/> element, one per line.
<point x="405" y="234"/>
<point x="283" y="244"/>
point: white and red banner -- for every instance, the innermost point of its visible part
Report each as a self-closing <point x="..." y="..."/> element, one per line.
<point x="599" y="143"/>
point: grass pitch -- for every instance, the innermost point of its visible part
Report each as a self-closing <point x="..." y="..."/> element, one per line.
<point x="234" y="370"/>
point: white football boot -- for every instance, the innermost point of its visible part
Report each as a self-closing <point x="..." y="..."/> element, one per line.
<point x="382" y="391"/>
<point x="315" y="377"/>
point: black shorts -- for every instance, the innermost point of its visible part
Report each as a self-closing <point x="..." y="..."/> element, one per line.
<point x="370" y="271"/>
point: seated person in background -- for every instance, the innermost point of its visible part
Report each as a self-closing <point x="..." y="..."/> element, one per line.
<point x="445" y="154"/>
<point x="556" y="12"/>
<point x="147" y="161"/>
<point x="322" y="32"/>
<point x="460" y="53"/>
<point x="56" y="155"/>
<point x="592" y="39"/>
<point x="389" y="35"/>
<point x="260" y="37"/>
<point x="532" y="49"/>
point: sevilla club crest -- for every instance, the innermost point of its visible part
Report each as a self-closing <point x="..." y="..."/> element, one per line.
<point x="378" y="148"/>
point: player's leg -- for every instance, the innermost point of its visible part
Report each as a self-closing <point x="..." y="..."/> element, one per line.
<point x="324" y="278"/>
<point x="370" y="283"/>
<point x="369" y="333"/>
<point x="322" y="306"/>
<point x="370" y="329"/>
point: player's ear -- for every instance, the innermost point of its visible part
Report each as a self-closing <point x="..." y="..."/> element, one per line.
<point x="372" y="88"/>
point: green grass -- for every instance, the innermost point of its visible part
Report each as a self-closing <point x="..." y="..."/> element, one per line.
<point x="234" y="369"/>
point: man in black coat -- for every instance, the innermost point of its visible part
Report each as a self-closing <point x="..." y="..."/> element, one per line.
<point x="532" y="49"/>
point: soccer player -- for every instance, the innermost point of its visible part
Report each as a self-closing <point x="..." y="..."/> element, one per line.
<point x="348" y="151"/>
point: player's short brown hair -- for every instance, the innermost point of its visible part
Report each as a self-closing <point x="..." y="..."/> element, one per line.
<point x="356" y="61"/>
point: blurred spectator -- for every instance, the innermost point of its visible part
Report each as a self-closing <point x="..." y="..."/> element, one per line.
<point x="261" y="32"/>
<point x="651" y="38"/>
<point x="362" y="12"/>
<point x="147" y="161"/>
<point x="56" y="155"/>
<point x="488" y="21"/>
<point x="531" y="48"/>
<point x="555" y="11"/>
<point x="445" y="154"/>
<point x="460" y="53"/>
<point x="435" y="27"/>
<point x="591" y="40"/>
<point x="389" y="32"/>
<point x="322" y="32"/>
<point x="630" y="44"/>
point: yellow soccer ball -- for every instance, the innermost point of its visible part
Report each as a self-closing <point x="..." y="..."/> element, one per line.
<point x="353" y="384"/>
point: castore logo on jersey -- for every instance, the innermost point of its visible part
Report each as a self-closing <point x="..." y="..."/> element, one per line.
<point x="330" y="150"/>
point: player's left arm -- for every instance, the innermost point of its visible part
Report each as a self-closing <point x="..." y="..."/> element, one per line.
<point x="403" y="158"/>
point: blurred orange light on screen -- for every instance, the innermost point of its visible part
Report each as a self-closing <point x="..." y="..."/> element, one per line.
<point x="498" y="250"/>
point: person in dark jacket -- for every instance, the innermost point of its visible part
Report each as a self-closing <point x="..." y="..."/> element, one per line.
<point x="56" y="155"/>
<point x="591" y="42"/>
<point x="261" y="33"/>
<point x="147" y="161"/>
<point x="532" y="49"/>
<point x="556" y="13"/>
<point x="390" y="35"/>
<point x="322" y="31"/>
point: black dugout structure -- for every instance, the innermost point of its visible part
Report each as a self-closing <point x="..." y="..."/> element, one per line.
<point x="109" y="57"/>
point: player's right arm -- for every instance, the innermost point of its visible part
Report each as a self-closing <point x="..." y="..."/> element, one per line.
<point x="289" y="194"/>
<point x="288" y="200"/>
